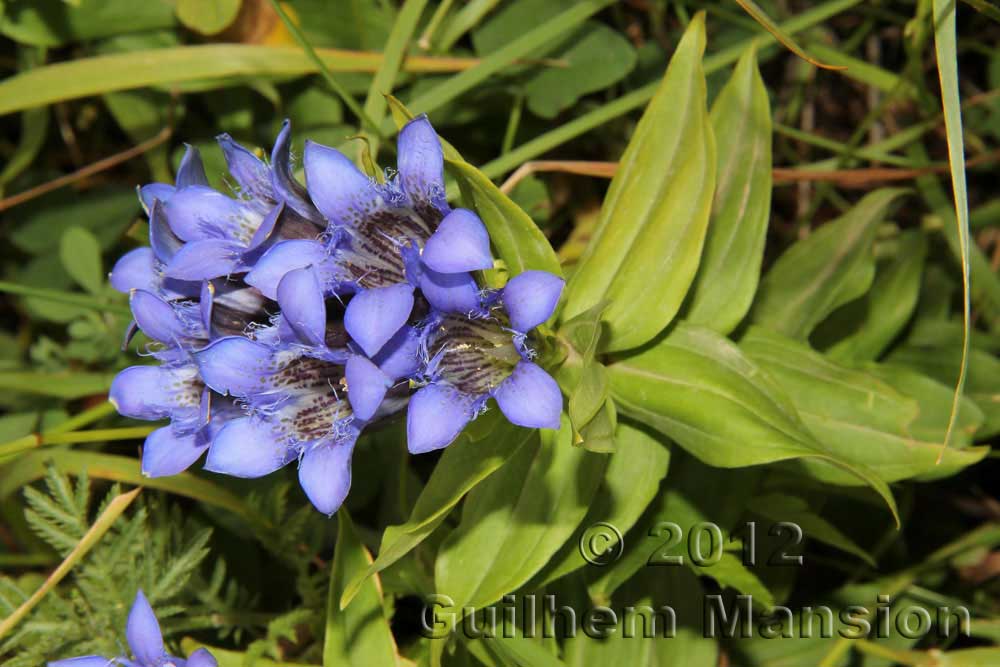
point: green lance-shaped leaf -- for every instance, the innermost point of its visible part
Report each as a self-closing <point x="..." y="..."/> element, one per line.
<point x="359" y="635"/>
<point x="734" y="247"/>
<point x="891" y="302"/>
<point x="703" y="392"/>
<point x="860" y="418"/>
<point x="648" y="240"/>
<point x="464" y="464"/>
<point x="823" y="271"/>
<point x="516" y="520"/>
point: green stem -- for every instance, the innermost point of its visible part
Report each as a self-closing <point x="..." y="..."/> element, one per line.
<point x="310" y="52"/>
<point x="512" y="124"/>
<point x="535" y="42"/>
<point x="36" y="440"/>
<point x="427" y="38"/>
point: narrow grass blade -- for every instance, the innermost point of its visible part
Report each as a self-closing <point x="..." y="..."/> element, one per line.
<point x="786" y="40"/>
<point x="947" y="64"/>
<point x="533" y="43"/>
<point x="216" y="64"/>
<point x="392" y="59"/>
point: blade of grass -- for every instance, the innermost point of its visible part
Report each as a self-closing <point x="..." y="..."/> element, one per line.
<point x="215" y="63"/>
<point x="327" y="75"/>
<point x="427" y="36"/>
<point x="70" y="298"/>
<point x="31" y="467"/>
<point x="534" y="43"/>
<point x="947" y="65"/>
<point x="34" y="441"/>
<point x="786" y="40"/>
<point x="985" y="7"/>
<point x="104" y="522"/>
<point x="392" y="60"/>
<point x="465" y="20"/>
<point x="639" y="97"/>
<point x="63" y="384"/>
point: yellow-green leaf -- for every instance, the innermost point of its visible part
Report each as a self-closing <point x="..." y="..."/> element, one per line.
<point x="359" y="635"/>
<point x="734" y="247"/>
<point x="648" y="241"/>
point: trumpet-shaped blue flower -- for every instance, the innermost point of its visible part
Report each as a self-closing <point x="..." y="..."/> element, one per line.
<point x="385" y="240"/>
<point x="482" y="355"/>
<point x="146" y="643"/>
<point x="288" y="319"/>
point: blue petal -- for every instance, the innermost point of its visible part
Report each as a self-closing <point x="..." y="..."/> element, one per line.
<point x="325" y="474"/>
<point x="161" y="238"/>
<point x="156" y="317"/>
<point x="167" y="453"/>
<point x="191" y="171"/>
<point x="155" y="392"/>
<point x="280" y="259"/>
<point x="461" y="243"/>
<point x="246" y="447"/>
<point x="530" y="397"/>
<point x="201" y="658"/>
<point x="83" y="661"/>
<point x="249" y="171"/>
<point x="531" y="297"/>
<point x="136" y="269"/>
<point x="301" y="299"/>
<point x="263" y="233"/>
<point x="373" y="316"/>
<point x="400" y="357"/>
<point x="286" y="187"/>
<point x="340" y="191"/>
<point x="421" y="165"/>
<point x="366" y="386"/>
<point x="450" y="292"/>
<point x="204" y="259"/>
<point x="436" y="415"/>
<point x="235" y="366"/>
<point x="153" y="191"/>
<point x="199" y="212"/>
<point x="143" y="632"/>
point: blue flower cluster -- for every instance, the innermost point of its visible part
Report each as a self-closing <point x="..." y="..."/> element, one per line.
<point x="146" y="643"/>
<point x="287" y="318"/>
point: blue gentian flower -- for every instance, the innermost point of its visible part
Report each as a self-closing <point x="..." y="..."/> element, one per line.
<point x="174" y="389"/>
<point x="384" y="239"/>
<point x="198" y="233"/>
<point x="146" y="643"/>
<point x="288" y="319"/>
<point x="471" y="358"/>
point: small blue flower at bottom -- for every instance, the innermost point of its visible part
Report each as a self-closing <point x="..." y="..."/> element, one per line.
<point x="146" y="643"/>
